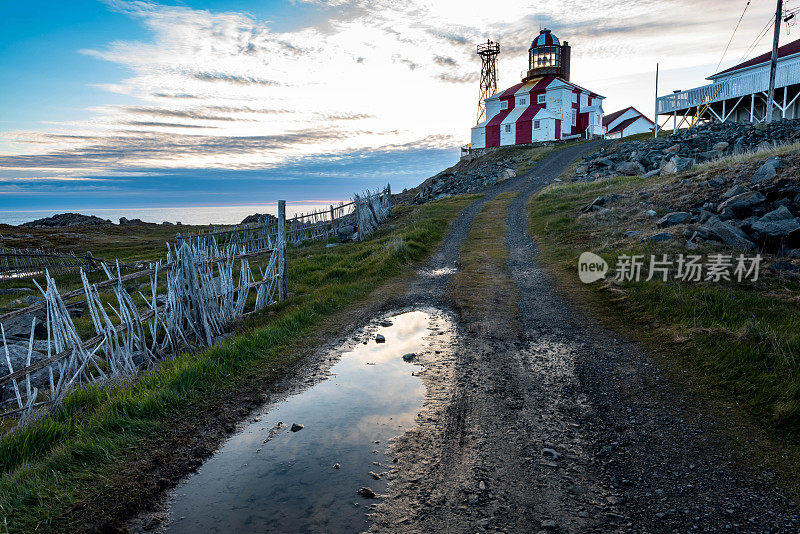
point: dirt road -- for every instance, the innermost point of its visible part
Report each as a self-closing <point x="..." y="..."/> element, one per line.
<point x="561" y="426"/>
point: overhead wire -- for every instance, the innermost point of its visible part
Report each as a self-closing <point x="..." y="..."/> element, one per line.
<point x="758" y="39"/>
<point x="732" y="35"/>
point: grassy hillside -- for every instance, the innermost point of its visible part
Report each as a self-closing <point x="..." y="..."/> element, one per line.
<point x="741" y="338"/>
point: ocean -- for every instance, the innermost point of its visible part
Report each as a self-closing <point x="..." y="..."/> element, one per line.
<point x="192" y="215"/>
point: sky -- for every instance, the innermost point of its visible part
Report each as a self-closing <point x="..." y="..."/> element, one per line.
<point x="115" y="103"/>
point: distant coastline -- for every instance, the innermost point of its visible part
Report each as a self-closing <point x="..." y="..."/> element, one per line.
<point x="191" y="215"/>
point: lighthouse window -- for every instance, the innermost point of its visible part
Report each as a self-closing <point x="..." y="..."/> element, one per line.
<point x="537" y="125"/>
<point x="508" y="128"/>
<point x="541" y="99"/>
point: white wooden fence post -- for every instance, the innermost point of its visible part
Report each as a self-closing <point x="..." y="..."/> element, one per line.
<point x="281" y="250"/>
<point x="333" y="223"/>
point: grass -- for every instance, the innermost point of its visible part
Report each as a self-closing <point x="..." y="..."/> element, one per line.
<point x="741" y="339"/>
<point x="66" y="462"/>
<point x="482" y="287"/>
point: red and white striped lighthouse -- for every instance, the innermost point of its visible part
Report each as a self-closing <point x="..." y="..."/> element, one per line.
<point x="544" y="106"/>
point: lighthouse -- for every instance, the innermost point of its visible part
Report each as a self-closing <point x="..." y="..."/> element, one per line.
<point x="544" y="106"/>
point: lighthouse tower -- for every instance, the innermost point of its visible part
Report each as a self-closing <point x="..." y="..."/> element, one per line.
<point x="544" y="106"/>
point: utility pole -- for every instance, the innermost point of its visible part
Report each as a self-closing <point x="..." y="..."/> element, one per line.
<point x="773" y="65"/>
<point x="655" y="109"/>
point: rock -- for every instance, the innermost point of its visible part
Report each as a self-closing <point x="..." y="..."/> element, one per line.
<point x="20" y="326"/>
<point x="729" y="234"/>
<point x="632" y="233"/>
<point x="549" y="524"/>
<point x="260" y="218"/>
<point x="410" y="357"/>
<point x="63" y="220"/>
<point x="337" y="466"/>
<point x="722" y="146"/>
<point x="717" y="181"/>
<point x="767" y="171"/>
<point x="297" y="427"/>
<point x="651" y="213"/>
<point x="599" y="201"/>
<point x="630" y="168"/>
<point x="366" y="493"/>
<point x="650" y="174"/>
<point x="552" y="453"/>
<point x="166" y="223"/>
<point x="671" y="219"/>
<point x="735" y="190"/>
<point x="674" y="149"/>
<point x="662" y="236"/>
<point x="742" y="201"/>
<point x="506" y="174"/>
<point x="18" y="354"/>
<point x="374" y="475"/>
<point x="604" y="162"/>
<point x="385" y="323"/>
<point x="129" y="222"/>
<point x="345" y="232"/>
<point x="380" y="338"/>
<point x="779" y="222"/>
<point x="676" y="165"/>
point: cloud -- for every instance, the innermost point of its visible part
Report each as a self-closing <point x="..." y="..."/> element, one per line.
<point x="355" y="76"/>
<point x="231" y="78"/>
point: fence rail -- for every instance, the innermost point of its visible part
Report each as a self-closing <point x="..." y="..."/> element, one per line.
<point x="24" y="263"/>
<point x="190" y="299"/>
<point x="364" y="213"/>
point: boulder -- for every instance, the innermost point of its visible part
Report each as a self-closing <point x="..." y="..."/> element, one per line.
<point x="742" y="201"/>
<point x="345" y="232"/>
<point x="721" y="146"/>
<point x="662" y="236"/>
<point x="598" y="202"/>
<point x="777" y="223"/>
<point x="259" y="218"/>
<point x="767" y="171"/>
<point x="735" y="190"/>
<point x="676" y="165"/>
<point x="674" y="149"/>
<point x="671" y="219"/>
<point x="729" y="234"/>
<point x="630" y="168"/>
<point x="20" y="327"/>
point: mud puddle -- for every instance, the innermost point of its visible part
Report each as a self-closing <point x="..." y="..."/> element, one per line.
<point x="268" y="477"/>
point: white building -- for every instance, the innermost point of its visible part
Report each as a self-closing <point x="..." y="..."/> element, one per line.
<point x="625" y="122"/>
<point x="740" y="92"/>
<point x="545" y="106"/>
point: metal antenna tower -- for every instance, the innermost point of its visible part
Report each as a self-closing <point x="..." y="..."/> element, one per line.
<point x="488" y="52"/>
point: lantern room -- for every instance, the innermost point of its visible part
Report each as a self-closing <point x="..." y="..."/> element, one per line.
<point x="547" y="57"/>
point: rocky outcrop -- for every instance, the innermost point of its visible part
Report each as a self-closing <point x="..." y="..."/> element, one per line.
<point x="64" y="220"/>
<point x="686" y="148"/>
<point x="469" y="175"/>
<point x="259" y="218"/>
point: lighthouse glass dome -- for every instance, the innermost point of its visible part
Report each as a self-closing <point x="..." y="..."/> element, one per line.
<point x="546" y="56"/>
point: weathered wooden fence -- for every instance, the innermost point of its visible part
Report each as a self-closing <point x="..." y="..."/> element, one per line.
<point x="29" y="262"/>
<point x="186" y="303"/>
<point x="357" y="219"/>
